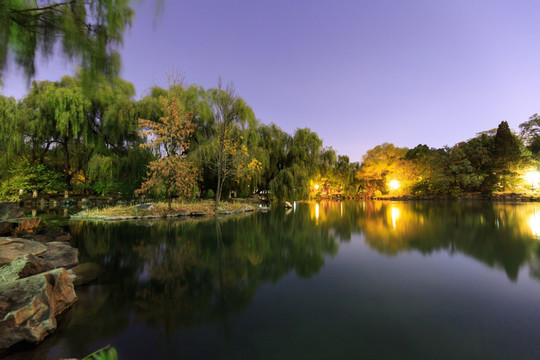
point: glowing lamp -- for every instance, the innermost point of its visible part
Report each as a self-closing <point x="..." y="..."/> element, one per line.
<point x="316" y="187"/>
<point x="532" y="177"/>
<point x="393" y="185"/>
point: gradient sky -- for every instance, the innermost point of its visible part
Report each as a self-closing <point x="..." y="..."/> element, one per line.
<point x="359" y="73"/>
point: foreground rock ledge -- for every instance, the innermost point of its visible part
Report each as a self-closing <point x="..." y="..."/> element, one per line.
<point x="29" y="306"/>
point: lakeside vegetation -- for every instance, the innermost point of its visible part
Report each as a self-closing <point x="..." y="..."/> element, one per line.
<point x="61" y="137"/>
<point x="189" y="142"/>
<point x="89" y="135"/>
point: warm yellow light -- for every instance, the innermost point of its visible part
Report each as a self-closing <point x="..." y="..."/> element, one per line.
<point x="393" y="184"/>
<point x="316" y="187"/>
<point x="532" y="177"/>
<point x="534" y="224"/>
<point x="394" y="213"/>
<point x="316" y="213"/>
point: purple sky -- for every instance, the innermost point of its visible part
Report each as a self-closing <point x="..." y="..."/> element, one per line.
<point x="359" y="73"/>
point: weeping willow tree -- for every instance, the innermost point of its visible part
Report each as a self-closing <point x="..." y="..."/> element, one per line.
<point x="86" y="30"/>
<point x="299" y="162"/>
<point x="10" y="135"/>
<point x="89" y="137"/>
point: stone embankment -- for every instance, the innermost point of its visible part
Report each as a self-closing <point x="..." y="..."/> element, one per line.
<point x="37" y="276"/>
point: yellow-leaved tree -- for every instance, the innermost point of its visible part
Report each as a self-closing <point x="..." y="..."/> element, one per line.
<point x="171" y="173"/>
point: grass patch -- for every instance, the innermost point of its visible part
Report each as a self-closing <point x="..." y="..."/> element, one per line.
<point x="162" y="208"/>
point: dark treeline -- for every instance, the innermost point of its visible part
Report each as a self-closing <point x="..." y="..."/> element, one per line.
<point x="62" y="136"/>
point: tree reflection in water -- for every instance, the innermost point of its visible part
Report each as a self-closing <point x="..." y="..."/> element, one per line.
<point x="171" y="274"/>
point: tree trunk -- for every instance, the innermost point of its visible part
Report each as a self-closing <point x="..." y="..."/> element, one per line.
<point x="67" y="175"/>
<point x="218" y="190"/>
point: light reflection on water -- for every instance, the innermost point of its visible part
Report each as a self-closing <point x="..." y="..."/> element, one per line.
<point x="374" y="279"/>
<point x="534" y="223"/>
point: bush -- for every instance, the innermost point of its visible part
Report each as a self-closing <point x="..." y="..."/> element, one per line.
<point x="210" y="194"/>
<point x="27" y="176"/>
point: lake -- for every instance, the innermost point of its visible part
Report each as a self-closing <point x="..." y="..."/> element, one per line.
<point x="329" y="280"/>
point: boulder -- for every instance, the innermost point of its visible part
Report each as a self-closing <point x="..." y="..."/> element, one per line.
<point x="29" y="306"/>
<point x="41" y="238"/>
<point x="10" y="211"/>
<point x="13" y="248"/>
<point x="60" y="254"/>
<point x="5" y="228"/>
<point x="63" y="237"/>
<point x="19" y="226"/>
<point x="147" y="207"/>
<point x="85" y="273"/>
<point x="27" y="224"/>
<point x="22" y="267"/>
<point x="178" y="213"/>
<point x="198" y="213"/>
<point x="48" y="237"/>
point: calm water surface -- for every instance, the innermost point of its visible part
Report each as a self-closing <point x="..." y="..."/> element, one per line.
<point x="351" y="280"/>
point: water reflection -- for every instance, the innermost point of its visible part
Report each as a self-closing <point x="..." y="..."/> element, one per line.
<point x="499" y="235"/>
<point x="534" y="223"/>
<point x="171" y="275"/>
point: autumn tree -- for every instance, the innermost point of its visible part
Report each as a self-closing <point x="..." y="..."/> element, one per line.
<point x="171" y="173"/>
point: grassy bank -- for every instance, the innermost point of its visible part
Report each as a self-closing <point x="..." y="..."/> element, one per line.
<point x="202" y="207"/>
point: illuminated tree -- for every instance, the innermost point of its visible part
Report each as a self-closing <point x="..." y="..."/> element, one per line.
<point x="378" y="166"/>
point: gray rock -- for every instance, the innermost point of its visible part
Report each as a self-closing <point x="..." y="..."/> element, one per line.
<point x="144" y="207"/>
<point x="85" y="273"/>
<point x="22" y="267"/>
<point x="60" y="254"/>
<point x="178" y="213"/>
<point x="13" y="248"/>
<point x="10" y="211"/>
<point x="29" y="306"/>
<point x="198" y="213"/>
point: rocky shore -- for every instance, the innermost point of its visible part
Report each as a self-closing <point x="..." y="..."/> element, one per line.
<point x="38" y="271"/>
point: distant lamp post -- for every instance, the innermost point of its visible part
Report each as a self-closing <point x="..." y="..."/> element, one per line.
<point x="532" y="177"/>
<point x="394" y="184"/>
